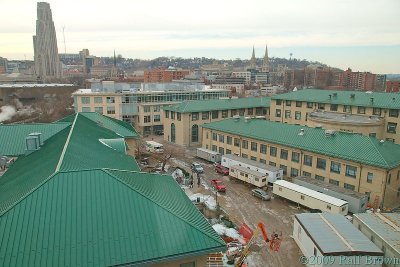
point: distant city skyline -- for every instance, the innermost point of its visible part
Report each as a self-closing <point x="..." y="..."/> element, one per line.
<point x="362" y="35"/>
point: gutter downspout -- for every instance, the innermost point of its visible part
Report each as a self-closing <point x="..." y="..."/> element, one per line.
<point x="384" y="190"/>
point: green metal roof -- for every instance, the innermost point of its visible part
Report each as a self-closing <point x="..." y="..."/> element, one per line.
<point x="380" y="100"/>
<point x="219" y="104"/>
<point x="122" y="128"/>
<point x="347" y="146"/>
<point x="12" y="136"/>
<point x="101" y="218"/>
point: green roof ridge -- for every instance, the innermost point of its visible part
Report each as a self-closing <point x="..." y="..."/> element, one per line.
<point x="66" y="144"/>
<point x="218" y="240"/>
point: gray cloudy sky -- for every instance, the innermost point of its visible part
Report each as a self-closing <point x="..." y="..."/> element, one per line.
<point x="361" y="34"/>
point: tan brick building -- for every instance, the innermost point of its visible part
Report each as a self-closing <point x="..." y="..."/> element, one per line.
<point x="352" y="161"/>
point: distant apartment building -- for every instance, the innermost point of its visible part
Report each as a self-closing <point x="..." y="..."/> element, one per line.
<point x="235" y="84"/>
<point x="364" y="81"/>
<point x="370" y="113"/>
<point x="164" y="75"/>
<point x="393" y="86"/>
<point x="182" y="121"/>
<point x="3" y="65"/>
<point x="216" y="69"/>
<point x="243" y="74"/>
<point x="141" y="108"/>
<point x="353" y="161"/>
<point x="311" y="76"/>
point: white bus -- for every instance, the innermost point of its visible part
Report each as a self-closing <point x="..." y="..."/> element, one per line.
<point x="152" y="146"/>
<point x="310" y="198"/>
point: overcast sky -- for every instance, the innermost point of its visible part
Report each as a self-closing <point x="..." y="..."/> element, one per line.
<point x="361" y="34"/>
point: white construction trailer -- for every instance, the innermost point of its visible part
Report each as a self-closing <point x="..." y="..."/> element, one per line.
<point x="357" y="202"/>
<point x="208" y="155"/>
<point x="249" y="176"/>
<point x="273" y="173"/>
<point x="310" y="198"/>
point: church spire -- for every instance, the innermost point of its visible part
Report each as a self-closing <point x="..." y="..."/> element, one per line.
<point x="253" y="63"/>
<point x="115" y="60"/>
<point x="265" y="66"/>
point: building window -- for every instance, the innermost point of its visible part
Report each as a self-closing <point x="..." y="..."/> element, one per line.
<point x="241" y="112"/>
<point x="172" y="115"/>
<point x="307" y="160"/>
<point x="173" y="133"/>
<point x="310" y="105"/>
<point x="250" y="111"/>
<point x="221" y="138"/>
<point x="284" y="154"/>
<point x="110" y="110"/>
<point x="98" y="100"/>
<point x="284" y="168"/>
<point x="320" y="178"/>
<point x="271" y="163"/>
<point x="278" y="102"/>
<point x="195" y="116"/>
<point x="288" y="103"/>
<point x="233" y="112"/>
<point x="214" y="136"/>
<point x="335" y="167"/>
<point x="253" y="158"/>
<point x="205" y="115"/>
<point x="391" y="127"/>
<point x="306" y="174"/>
<point x="333" y="107"/>
<point x="361" y="110"/>
<point x="224" y="114"/>
<point x="272" y="151"/>
<point x="245" y="144"/>
<point x="321" y="106"/>
<point x="195" y="133"/>
<point x="221" y="150"/>
<point x="98" y="110"/>
<point x="214" y="114"/>
<point x="236" y="142"/>
<point x="335" y="182"/>
<point x="214" y="148"/>
<point x="229" y="140"/>
<point x="278" y="113"/>
<point x="347" y="108"/>
<point x="156" y="108"/>
<point x="349" y="186"/>
<point x="146" y="109"/>
<point x="372" y="135"/>
<point x="245" y="156"/>
<point x="389" y="139"/>
<point x="299" y="104"/>
<point x="295" y="157"/>
<point x="178" y="116"/>
<point x="228" y="151"/>
<point x="376" y="111"/>
<point x="85" y="109"/>
<point x="263" y="161"/>
<point x="157" y="118"/>
<point x="294" y="172"/>
<point x="370" y="177"/>
<point x="297" y="115"/>
<point x="167" y="114"/>
<point x="393" y="113"/>
<point x="321" y="164"/>
<point x="351" y="171"/>
<point x="263" y="149"/>
<point x="85" y="100"/>
<point x="287" y="114"/>
<point x="110" y="99"/>
<point x="253" y="146"/>
<point x="146" y="119"/>
<point x="302" y="197"/>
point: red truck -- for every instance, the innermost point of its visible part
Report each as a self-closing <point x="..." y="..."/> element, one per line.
<point x="218" y="185"/>
<point x="221" y="169"/>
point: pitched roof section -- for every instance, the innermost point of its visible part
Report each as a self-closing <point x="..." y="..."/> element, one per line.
<point x="380" y="100"/>
<point x="219" y="104"/>
<point x="122" y="128"/>
<point x="118" y="224"/>
<point x="347" y="146"/>
<point x="12" y="136"/>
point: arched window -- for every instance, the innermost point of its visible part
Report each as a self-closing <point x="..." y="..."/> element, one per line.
<point x="195" y="133"/>
<point x="173" y="135"/>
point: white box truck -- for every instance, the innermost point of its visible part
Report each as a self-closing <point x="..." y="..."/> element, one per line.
<point x="273" y="173"/>
<point x="208" y="155"/>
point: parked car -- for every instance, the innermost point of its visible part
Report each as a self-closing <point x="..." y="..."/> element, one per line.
<point x="196" y="167"/>
<point x="221" y="169"/>
<point x="260" y="194"/>
<point x="218" y="185"/>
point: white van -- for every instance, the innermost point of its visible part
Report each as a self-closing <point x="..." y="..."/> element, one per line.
<point x="152" y="146"/>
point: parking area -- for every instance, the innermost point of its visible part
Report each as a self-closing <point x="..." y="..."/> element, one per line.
<point x="241" y="206"/>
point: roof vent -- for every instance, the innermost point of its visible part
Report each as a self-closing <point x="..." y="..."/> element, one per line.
<point x="382" y="141"/>
<point x="372" y="100"/>
<point x="39" y="135"/>
<point x="330" y="96"/>
<point x="334" y="94"/>
<point x="330" y="132"/>
<point x="32" y="143"/>
<point x="301" y="131"/>
<point x="352" y="95"/>
<point x="393" y="98"/>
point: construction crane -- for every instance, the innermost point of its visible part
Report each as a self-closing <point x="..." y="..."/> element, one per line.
<point x="274" y="243"/>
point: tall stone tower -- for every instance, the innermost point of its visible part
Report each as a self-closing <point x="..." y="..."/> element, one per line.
<point x="265" y="65"/>
<point x="47" y="62"/>
<point x="253" y="63"/>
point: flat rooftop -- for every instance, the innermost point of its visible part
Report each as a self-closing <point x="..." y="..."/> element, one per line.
<point x="344" y="118"/>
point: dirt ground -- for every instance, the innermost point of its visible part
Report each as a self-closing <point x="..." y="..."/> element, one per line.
<point x="277" y="214"/>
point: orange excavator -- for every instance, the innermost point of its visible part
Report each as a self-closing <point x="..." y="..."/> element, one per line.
<point x="274" y="243"/>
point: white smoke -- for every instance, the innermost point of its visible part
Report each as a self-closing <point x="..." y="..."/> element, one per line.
<point x="7" y="112"/>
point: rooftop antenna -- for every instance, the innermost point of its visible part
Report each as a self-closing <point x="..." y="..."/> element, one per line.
<point x="65" y="47"/>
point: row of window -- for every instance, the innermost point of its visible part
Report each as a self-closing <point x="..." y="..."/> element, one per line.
<point x="109" y="110"/>
<point x="195" y="116"/>
<point x="147" y="109"/>
<point x="334" y="107"/>
<point x="147" y="119"/>
<point x="97" y="99"/>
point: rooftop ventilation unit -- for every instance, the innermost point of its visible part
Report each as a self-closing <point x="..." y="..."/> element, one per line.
<point x="382" y="141"/>
<point x="334" y="94"/>
<point x="372" y="100"/>
<point x="330" y="132"/>
<point x="301" y="131"/>
<point x="352" y="95"/>
<point x="32" y="143"/>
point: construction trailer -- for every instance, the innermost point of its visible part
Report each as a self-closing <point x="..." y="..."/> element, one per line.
<point x="331" y="240"/>
<point x="249" y="176"/>
<point x="357" y="202"/>
<point x="273" y="173"/>
<point x="310" y="198"/>
<point x="208" y="155"/>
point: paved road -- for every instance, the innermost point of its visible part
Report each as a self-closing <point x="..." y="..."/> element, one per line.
<point x="277" y="214"/>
